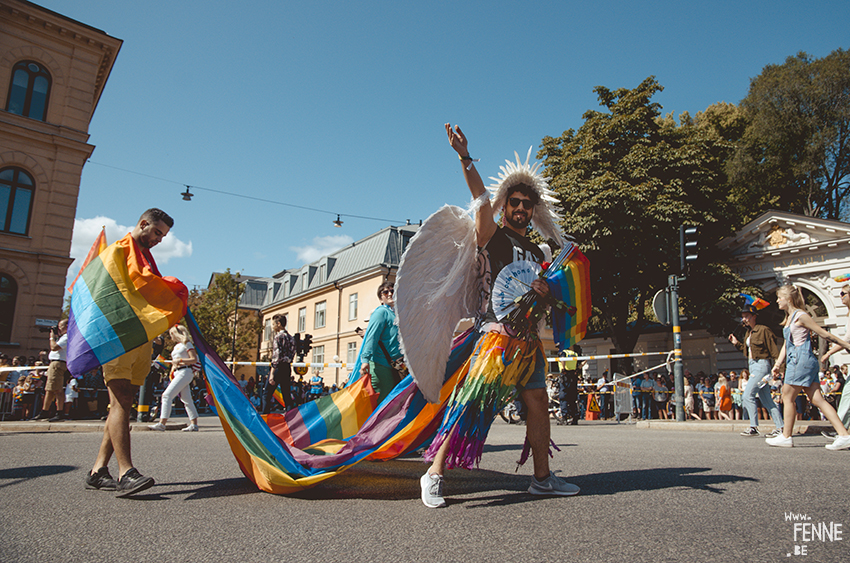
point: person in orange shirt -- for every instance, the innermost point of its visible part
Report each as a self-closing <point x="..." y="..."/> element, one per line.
<point x="724" y="397"/>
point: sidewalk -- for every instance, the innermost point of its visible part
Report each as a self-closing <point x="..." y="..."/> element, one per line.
<point x="210" y="422"/>
<point x="206" y="423"/>
<point x="765" y="426"/>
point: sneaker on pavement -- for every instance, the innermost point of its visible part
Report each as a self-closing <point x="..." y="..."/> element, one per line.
<point x="840" y="443"/>
<point x="133" y="482"/>
<point x="101" y="480"/>
<point x="552" y="486"/>
<point x="780" y="441"/>
<point x="776" y="432"/>
<point x="829" y="434"/>
<point x="57" y="418"/>
<point x="751" y="431"/>
<point x="191" y="428"/>
<point x="159" y="427"/>
<point x="43" y="415"/>
<point x="432" y="490"/>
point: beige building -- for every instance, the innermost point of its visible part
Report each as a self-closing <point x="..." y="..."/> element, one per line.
<point x="52" y="72"/>
<point x="332" y="297"/>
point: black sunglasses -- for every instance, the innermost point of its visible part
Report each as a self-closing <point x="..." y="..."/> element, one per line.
<point x="526" y="203"/>
<point x="842" y="294"/>
<point x="388" y="292"/>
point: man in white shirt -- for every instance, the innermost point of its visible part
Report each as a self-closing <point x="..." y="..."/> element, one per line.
<point x="54" y="388"/>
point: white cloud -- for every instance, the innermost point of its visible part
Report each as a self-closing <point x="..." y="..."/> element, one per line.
<point x="321" y="246"/>
<point x="86" y="231"/>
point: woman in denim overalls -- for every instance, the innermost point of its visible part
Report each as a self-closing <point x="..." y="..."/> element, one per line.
<point x="801" y="369"/>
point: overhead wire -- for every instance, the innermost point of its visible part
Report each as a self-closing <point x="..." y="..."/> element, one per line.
<point x="244" y="196"/>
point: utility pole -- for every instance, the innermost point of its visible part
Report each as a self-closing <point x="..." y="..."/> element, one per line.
<point x="678" y="368"/>
<point x="235" y="322"/>
<point x="687" y="253"/>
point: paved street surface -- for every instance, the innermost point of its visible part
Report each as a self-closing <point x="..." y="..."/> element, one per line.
<point x="647" y="495"/>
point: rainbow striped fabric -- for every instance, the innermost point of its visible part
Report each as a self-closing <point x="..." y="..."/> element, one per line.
<point x="285" y="454"/>
<point x="120" y="302"/>
<point x="571" y="284"/>
<point x="489" y="378"/>
<point x="337" y="416"/>
<point x="98" y="247"/>
<point x="756" y="302"/>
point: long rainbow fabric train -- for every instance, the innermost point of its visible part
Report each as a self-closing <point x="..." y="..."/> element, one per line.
<point x="119" y="302"/>
<point x="285" y="454"/>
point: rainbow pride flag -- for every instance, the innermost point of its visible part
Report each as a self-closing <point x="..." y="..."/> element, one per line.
<point x="285" y="454"/>
<point x="98" y="247"/>
<point x="120" y="302"/>
<point x="337" y="416"/>
<point x="570" y="284"/>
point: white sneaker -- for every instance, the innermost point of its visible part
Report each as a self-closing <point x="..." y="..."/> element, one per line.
<point x="159" y="427"/>
<point x="780" y="441"/>
<point x="840" y="443"/>
<point x="432" y="490"/>
<point x="191" y="428"/>
<point x="552" y="486"/>
<point x="774" y="433"/>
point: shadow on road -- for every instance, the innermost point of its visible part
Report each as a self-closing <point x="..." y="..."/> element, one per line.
<point x="18" y="474"/>
<point x="655" y="479"/>
<point x="199" y="490"/>
<point x="399" y="480"/>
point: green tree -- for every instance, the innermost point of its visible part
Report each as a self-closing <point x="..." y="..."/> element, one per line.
<point x="214" y="308"/>
<point x="795" y="154"/>
<point x="626" y="180"/>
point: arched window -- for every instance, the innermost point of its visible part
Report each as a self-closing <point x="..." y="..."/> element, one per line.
<point x="8" y="296"/>
<point x="29" y="90"/>
<point x="16" y="195"/>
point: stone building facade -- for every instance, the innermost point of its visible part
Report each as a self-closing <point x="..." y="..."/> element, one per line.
<point x="774" y="249"/>
<point x="52" y="73"/>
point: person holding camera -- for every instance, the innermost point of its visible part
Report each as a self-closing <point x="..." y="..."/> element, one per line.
<point x="57" y="372"/>
<point x="283" y="351"/>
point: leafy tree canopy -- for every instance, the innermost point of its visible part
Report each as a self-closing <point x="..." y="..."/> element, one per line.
<point x="214" y="308"/>
<point x="626" y="180"/>
<point x="795" y="153"/>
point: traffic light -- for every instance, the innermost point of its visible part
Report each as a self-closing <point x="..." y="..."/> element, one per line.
<point x="297" y="339"/>
<point x="688" y="246"/>
<point x="307" y="343"/>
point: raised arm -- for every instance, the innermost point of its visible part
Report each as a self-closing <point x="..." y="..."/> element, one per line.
<point x="805" y="320"/>
<point x="485" y="225"/>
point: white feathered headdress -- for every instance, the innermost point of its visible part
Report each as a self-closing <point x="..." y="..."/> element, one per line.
<point x="544" y="219"/>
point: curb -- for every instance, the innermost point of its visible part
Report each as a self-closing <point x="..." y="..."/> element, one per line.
<point x="205" y="424"/>
<point x="800" y="427"/>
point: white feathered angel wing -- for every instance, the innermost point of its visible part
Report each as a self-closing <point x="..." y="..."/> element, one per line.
<point x="434" y="289"/>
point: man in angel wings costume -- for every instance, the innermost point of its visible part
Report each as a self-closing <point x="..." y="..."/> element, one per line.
<point x="451" y="271"/>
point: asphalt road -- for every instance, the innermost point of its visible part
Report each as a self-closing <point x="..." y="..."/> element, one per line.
<point x="647" y="495"/>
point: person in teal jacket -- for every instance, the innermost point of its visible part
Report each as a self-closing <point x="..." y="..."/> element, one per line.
<point x="380" y="344"/>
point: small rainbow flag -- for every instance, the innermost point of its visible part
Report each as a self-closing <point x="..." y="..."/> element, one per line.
<point x="120" y="302"/>
<point x="842" y="278"/>
<point x="570" y="284"/>
<point x="756" y="302"/>
<point x="162" y="363"/>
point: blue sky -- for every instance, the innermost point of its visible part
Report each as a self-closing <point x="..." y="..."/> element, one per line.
<point x="340" y="106"/>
